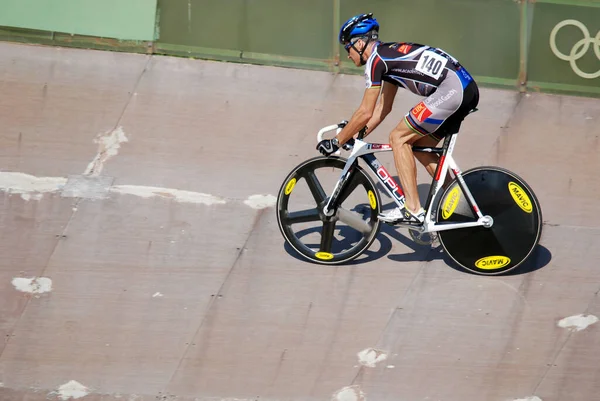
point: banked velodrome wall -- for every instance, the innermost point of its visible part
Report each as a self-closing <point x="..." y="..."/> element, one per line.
<point x="548" y="45"/>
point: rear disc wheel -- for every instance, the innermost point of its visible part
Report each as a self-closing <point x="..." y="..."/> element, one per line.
<point x="516" y="228"/>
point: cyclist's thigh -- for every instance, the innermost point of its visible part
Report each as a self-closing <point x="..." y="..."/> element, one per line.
<point x="427" y="116"/>
<point x="427" y="141"/>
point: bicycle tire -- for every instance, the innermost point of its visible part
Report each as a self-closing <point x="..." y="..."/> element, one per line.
<point x="516" y="229"/>
<point x="287" y="219"/>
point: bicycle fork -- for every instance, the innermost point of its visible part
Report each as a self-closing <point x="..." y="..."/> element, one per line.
<point x="329" y="209"/>
<point x="347" y="173"/>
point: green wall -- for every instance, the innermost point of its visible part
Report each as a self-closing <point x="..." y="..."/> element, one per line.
<point x="501" y="42"/>
<point x="304" y="33"/>
<point x="120" y="19"/>
<point x="546" y="70"/>
<point x="288" y="28"/>
<point x="296" y="33"/>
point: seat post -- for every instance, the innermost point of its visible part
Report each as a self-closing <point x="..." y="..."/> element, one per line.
<point x="435" y="185"/>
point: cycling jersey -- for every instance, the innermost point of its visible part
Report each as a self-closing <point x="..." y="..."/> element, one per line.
<point x="425" y="71"/>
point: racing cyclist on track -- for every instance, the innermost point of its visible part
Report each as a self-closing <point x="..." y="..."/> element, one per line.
<point x="449" y="90"/>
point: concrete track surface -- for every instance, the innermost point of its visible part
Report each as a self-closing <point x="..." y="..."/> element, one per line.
<point x="142" y="260"/>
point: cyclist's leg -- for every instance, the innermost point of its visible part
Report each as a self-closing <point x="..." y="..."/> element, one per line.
<point x="401" y="140"/>
<point x="430" y="160"/>
<point x="421" y="122"/>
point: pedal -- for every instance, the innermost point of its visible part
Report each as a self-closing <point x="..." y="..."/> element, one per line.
<point x="400" y="223"/>
<point x="422" y="238"/>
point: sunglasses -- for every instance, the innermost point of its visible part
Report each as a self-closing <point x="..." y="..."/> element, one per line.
<point x="350" y="44"/>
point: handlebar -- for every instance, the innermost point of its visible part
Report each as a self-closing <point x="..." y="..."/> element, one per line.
<point x="338" y="127"/>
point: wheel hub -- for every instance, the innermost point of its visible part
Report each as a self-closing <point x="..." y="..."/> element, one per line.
<point x="331" y="214"/>
<point x="487" y="221"/>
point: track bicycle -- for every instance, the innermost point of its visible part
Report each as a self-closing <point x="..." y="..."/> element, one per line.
<point x="488" y="219"/>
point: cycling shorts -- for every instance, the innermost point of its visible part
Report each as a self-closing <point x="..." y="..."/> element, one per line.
<point x="443" y="111"/>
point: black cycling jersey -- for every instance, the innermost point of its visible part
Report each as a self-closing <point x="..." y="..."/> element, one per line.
<point x="416" y="67"/>
<point x="449" y="89"/>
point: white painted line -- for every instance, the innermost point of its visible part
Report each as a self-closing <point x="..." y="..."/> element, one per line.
<point x="33" y="188"/>
<point x="260" y="201"/>
<point x="158" y="294"/>
<point x="28" y="197"/>
<point x="577" y="322"/>
<point x="34" y="285"/>
<point x="350" y="393"/>
<point x="534" y="398"/>
<point x="72" y="389"/>
<point x="369" y="357"/>
<point x="175" y="194"/>
<point x="29" y="186"/>
<point x="109" y="144"/>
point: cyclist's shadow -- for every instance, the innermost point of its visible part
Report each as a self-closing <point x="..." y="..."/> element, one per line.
<point x="382" y="244"/>
<point x="540" y="257"/>
<point x="420" y="253"/>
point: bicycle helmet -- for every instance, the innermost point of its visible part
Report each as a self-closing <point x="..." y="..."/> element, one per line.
<point x="358" y="26"/>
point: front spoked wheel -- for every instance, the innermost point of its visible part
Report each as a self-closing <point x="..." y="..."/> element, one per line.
<point x="328" y="239"/>
<point x="516" y="228"/>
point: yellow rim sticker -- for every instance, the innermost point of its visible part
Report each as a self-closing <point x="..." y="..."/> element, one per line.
<point x="451" y="203"/>
<point x="290" y="186"/>
<point x="492" y="262"/>
<point x="520" y="197"/>
<point x="324" y="255"/>
<point x="372" y="200"/>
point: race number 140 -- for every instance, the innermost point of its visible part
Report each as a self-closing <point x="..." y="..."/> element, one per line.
<point x="431" y="64"/>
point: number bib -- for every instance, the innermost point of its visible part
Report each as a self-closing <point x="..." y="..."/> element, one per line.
<point x="431" y="64"/>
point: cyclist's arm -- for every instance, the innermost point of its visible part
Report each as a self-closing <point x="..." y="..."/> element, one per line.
<point x="384" y="106"/>
<point x="361" y="116"/>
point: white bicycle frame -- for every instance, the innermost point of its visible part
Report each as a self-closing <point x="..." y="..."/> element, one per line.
<point x="365" y="150"/>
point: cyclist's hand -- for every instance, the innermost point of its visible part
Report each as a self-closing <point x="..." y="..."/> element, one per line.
<point x="348" y="145"/>
<point x="328" y="146"/>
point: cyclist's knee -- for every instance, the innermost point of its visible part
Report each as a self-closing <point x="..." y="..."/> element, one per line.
<point x="401" y="134"/>
<point x="396" y="138"/>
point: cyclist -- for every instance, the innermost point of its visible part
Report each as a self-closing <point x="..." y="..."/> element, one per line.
<point x="449" y="90"/>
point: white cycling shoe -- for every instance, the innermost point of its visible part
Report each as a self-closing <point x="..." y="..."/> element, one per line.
<point x="398" y="215"/>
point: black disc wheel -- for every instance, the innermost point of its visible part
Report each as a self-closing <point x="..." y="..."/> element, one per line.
<point x="325" y="239"/>
<point x="516" y="228"/>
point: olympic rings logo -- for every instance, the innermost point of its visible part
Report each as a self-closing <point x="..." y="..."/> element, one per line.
<point x="578" y="49"/>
